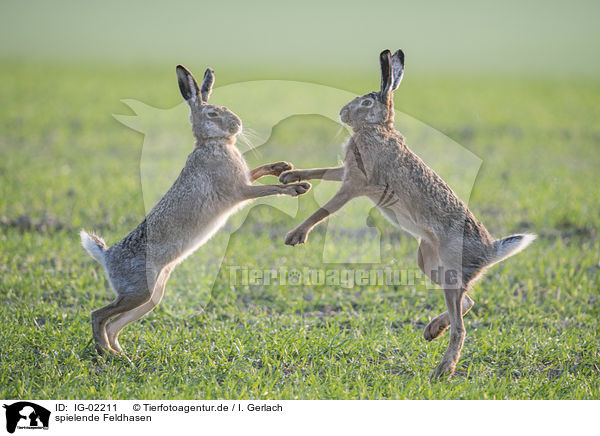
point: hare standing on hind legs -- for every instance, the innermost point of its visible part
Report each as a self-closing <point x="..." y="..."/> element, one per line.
<point x="214" y="182"/>
<point x="454" y="247"/>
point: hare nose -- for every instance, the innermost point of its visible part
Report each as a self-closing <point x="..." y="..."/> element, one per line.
<point x="343" y="113"/>
<point x="235" y="126"/>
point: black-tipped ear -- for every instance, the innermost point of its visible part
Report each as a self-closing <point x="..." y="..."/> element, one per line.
<point x="397" y="68"/>
<point x="385" y="62"/>
<point x="207" y="84"/>
<point x="187" y="84"/>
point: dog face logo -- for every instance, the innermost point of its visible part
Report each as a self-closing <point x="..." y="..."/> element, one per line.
<point x="26" y="415"/>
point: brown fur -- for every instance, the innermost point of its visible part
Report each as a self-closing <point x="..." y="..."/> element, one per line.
<point x="214" y="182"/>
<point x="380" y="166"/>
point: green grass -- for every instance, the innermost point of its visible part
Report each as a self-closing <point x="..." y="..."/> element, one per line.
<point x="67" y="164"/>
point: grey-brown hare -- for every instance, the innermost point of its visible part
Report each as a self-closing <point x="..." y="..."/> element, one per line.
<point x="214" y="182"/>
<point x="454" y="247"/>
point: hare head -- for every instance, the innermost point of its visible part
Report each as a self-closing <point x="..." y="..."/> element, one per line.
<point x="377" y="107"/>
<point x="208" y="121"/>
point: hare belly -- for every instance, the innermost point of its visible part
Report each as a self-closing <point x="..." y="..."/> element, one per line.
<point x="204" y="233"/>
<point x="398" y="216"/>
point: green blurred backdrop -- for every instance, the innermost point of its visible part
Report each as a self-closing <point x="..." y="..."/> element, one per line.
<point x="525" y="37"/>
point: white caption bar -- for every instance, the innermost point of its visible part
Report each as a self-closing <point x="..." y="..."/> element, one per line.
<point x="90" y="418"/>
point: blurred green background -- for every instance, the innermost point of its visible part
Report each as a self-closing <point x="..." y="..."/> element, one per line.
<point x="515" y="83"/>
<point x="524" y="37"/>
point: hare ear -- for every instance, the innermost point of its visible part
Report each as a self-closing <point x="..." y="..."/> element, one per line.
<point x="385" y="62"/>
<point x="397" y="68"/>
<point x="188" y="85"/>
<point x="207" y="84"/>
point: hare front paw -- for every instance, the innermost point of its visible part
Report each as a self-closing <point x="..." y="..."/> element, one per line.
<point x="279" y="167"/>
<point x="290" y="176"/>
<point x="296" y="236"/>
<point x="298" y="188"/>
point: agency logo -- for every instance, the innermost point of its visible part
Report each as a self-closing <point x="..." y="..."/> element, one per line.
<point x="261" y="106"/>
<point x="297" y="122"/>
<point x="26" y="415"/>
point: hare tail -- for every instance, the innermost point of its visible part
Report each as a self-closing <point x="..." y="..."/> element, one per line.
<point x="95" y="246"/>
<point x="509" y="246"/>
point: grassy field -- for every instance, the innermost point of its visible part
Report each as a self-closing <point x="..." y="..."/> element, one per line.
<point x="66" y="163"/>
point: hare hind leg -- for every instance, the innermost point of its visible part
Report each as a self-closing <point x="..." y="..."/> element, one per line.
<point x="453" y="299"/>
<point x="100" y="317"/>
<point x="440" y="323"/>
<point x="430" y="263"/>
<point x="118" y="323"/>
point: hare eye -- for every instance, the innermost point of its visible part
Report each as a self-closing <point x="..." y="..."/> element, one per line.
<point x="366" y="103"/>
<point x="212" y="114"/>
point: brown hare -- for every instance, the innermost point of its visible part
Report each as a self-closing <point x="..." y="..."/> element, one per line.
<point x="214" y="182"/>
<point x="454" y="247"/>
